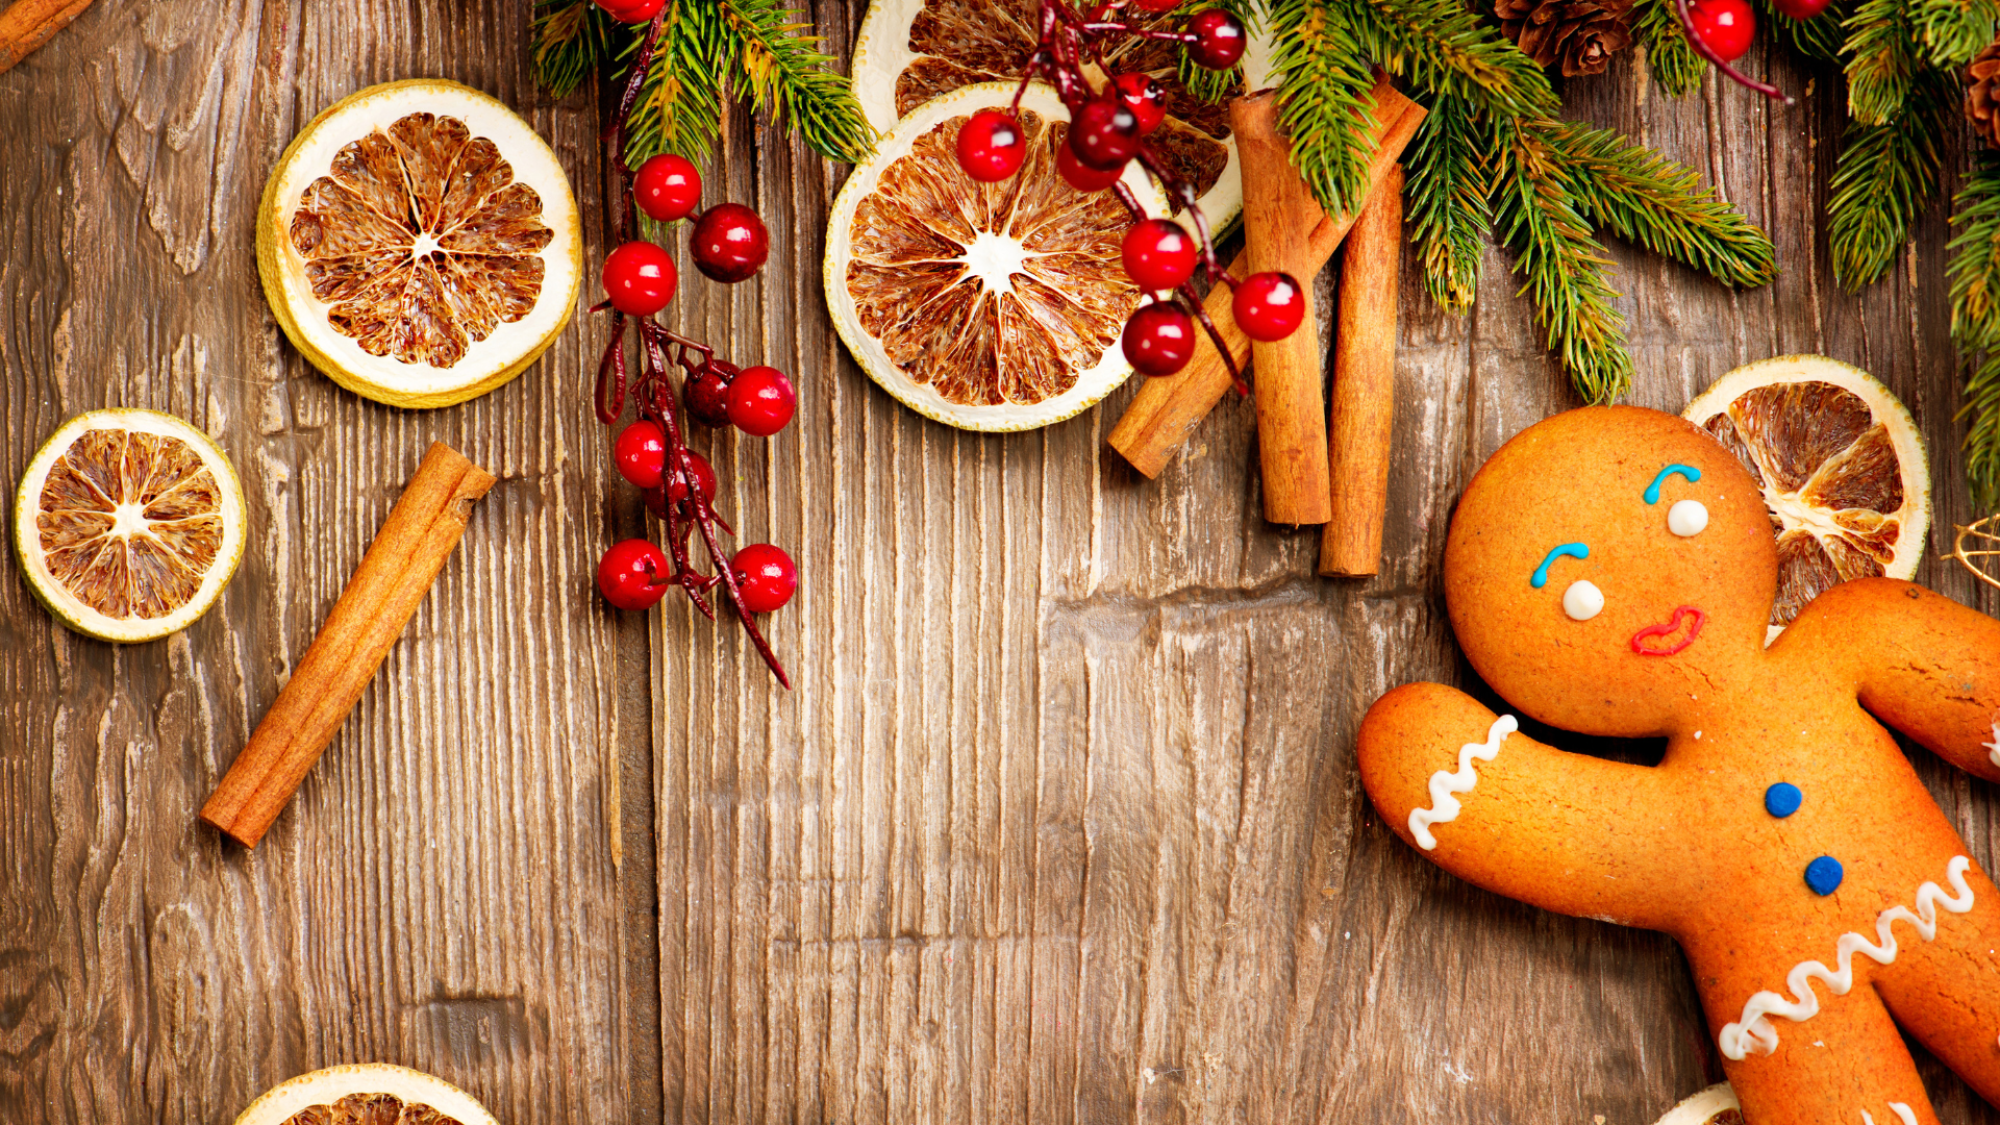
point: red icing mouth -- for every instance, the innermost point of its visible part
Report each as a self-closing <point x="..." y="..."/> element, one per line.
<point x="1669" y="637"/>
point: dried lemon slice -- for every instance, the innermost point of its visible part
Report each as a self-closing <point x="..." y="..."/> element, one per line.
<point x="1841" y="464"/>
<point x="365" y="1094"/>
<point x="984" y="306"/>
<point x="128" y="523"/>
<point x="910" y="51"/>
<point x="419" y="243"/>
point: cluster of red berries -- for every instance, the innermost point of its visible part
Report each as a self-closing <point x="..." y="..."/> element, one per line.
<point x="1107" y="132"/>
<point x="1721" y="31"/>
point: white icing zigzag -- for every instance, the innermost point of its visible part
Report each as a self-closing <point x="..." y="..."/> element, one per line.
<point x="1755" y="1033"/>
<point x="1993" y="747"/>
<point x="1444" y="805"/>
<point x="1903" y="1113"/>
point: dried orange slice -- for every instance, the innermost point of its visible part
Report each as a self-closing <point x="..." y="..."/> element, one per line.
<point x="419" y="243"/>
<point x="910" y="51"/>
<point x="1841" y="464"/>
<point x="1716" y="1105"/>
<point x="985" y="306"/>
<point x="128" y="523"/>
<point x="365" y="1094"/>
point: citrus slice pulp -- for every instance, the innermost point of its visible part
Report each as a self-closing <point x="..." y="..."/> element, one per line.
<point x="365" y="1094"/>
<point x="1841" y="465"/>
<point x="910" y="51"/>
<point x="128" y="523"/>
<point x="419" y="243"/>
<point x="985" y="306"/>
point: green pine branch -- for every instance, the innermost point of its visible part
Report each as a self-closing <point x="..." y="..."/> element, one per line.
<point x="1535" y="212"/>
<point x="679" y="109"/>
<point x="1883" y="180"/>
<point x="1447" y="192"/>
<point x="1975" y="322"/>
<point x="1444" y="48"/>
<point x="571" y="39"/>
<point x="1671" y="60"/>
<point x="1819" y="38"/>
<point x="786" y="72"/>
<point x="1952" y="31"/>
<point x="1324" y="100"/>
<point x="1644" y="198"/>
<point x="1882" y="60"/>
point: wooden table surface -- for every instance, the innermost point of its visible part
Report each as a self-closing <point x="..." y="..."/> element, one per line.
<point x="1061" y="823"/>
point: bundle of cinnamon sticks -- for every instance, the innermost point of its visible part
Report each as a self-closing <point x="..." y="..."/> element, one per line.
<point x="1319" y="467"/>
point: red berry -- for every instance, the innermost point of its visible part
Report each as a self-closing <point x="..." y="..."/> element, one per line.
<point x="730" y="242"/>
<point x="762" y="401"/>
<point x="991" y="146"/>
<point x="1159" y="339"/>
<point x="1724" y="26"/>
<point x="640" y="278"/>
<point x="631" y="11"/>
<point x="1268" y="306"/>
<point x="667" y="187"/>
<point x="1104" y="133"/>
<point x="633" y="574"/>
<point x="707" y="393"/>
<point x="1146" y="98"/>
<point x="1081" y="177"/>
<point x="1219" y="39"/>
<point x="1801" y="9"/>
<point x="1159" y="254"/>
<point x="765" y="577"/>
<point x="640" y="453"/>
<point x="704" y="479"/>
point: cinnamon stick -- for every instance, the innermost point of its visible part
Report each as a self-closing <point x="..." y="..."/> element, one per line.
<point x="1278" y="219"/>
<point x="380" y="598"/>
<point x="1364" y="384"/>
<point x="1166" y="409"/>
<point x="27" y="24"/>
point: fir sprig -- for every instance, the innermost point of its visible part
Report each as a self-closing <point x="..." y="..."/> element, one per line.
<point x="1448" y="211"/>
<point x="1443" y="47"/>
<point x="786" y="72"/>
<point x="1818" y="38"/>
<point x="1643" y="197"/>
<point x="1975" y="322"/>
<point x="1952" y="31"/>
<point x="571" y="38"/>
<point x="1882" y="61"/>
<point x="1563" y="266"/>
<point x="1672" y="61"/>
<point x="1324" y="104"/>
<point x="680" y="107"/>
<point x="1884" y="178"/>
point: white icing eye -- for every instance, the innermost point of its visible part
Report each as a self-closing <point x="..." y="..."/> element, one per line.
<point x="1687" y="517"/>
<point x="1583" y="600"/>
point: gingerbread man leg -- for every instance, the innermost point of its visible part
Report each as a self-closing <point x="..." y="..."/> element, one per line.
<point x="1946" y="992"/>
<point x="1844" y="1066"/>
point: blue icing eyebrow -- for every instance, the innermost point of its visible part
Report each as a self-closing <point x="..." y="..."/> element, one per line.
<point x="1573" y="550"/>
<point x="1653" y="490"/>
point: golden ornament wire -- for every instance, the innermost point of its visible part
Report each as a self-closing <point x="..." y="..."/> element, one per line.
<point x="1978" y="549"/>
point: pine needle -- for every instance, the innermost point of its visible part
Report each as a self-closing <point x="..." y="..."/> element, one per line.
<point x="1443" y="47"/>
<point x="1817" y="38"/>
<point x="571" y="38"/>
<point x="1882" y="61"/>
<point x="1952" y="31"/>
<point x="1975" y="322"/>
<point x="680" y="107"/>
<point x="1324" y="100"/>
<point x="1447" y="192"/>
<point x="781" y="63"/>
<point x="1884" y="178"/>
<point x="1671" y="60"/>
<point x="1660" y="205"/>
<point x="1535" y="212"/>
<point x="1982" y="437"/>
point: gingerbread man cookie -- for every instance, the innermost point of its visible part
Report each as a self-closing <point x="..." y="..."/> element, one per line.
<point x="1610" y="571"/>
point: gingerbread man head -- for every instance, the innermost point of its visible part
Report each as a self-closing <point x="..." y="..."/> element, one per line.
<point x="1611" y="571"/>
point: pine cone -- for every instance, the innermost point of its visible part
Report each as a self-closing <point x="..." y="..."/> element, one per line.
<point x="1982" y="98"/>
<point x="1582" y="35"/>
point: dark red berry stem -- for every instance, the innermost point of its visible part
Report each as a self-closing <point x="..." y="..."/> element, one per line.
<point x="1705" y="51"/>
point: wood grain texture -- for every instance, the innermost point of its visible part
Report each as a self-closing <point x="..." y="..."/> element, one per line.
<point x="1061" y="823"/>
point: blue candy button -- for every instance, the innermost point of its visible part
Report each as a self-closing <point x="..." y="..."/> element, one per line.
<point x="1783" y="799"/>
<point x="1823" y="875"/>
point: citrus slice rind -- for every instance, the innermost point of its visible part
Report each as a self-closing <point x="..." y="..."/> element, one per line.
<point x="316" y="1099"/>
<point x="1716" y="1105"/>
<point x="128" y="524"/>
<point x="1841" y="464"/>
<point x="445" y="294"/>
<point x="990" y="307"/>
<point x="991" y="39"/>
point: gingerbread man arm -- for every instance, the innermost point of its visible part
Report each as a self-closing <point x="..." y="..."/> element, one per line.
<point x="1565" y="832"/>
<point x="1920" y="662"/>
